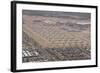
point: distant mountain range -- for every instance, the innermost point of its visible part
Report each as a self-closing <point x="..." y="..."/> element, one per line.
<point x="72" y="15"/>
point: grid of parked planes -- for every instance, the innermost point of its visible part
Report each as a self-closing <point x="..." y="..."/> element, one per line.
<point x="48" y="38"/>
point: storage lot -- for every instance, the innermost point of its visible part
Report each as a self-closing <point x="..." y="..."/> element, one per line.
<point x="54" y="39"/>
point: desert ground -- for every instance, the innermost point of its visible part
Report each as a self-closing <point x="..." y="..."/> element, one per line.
<point x="55" y="36"/>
